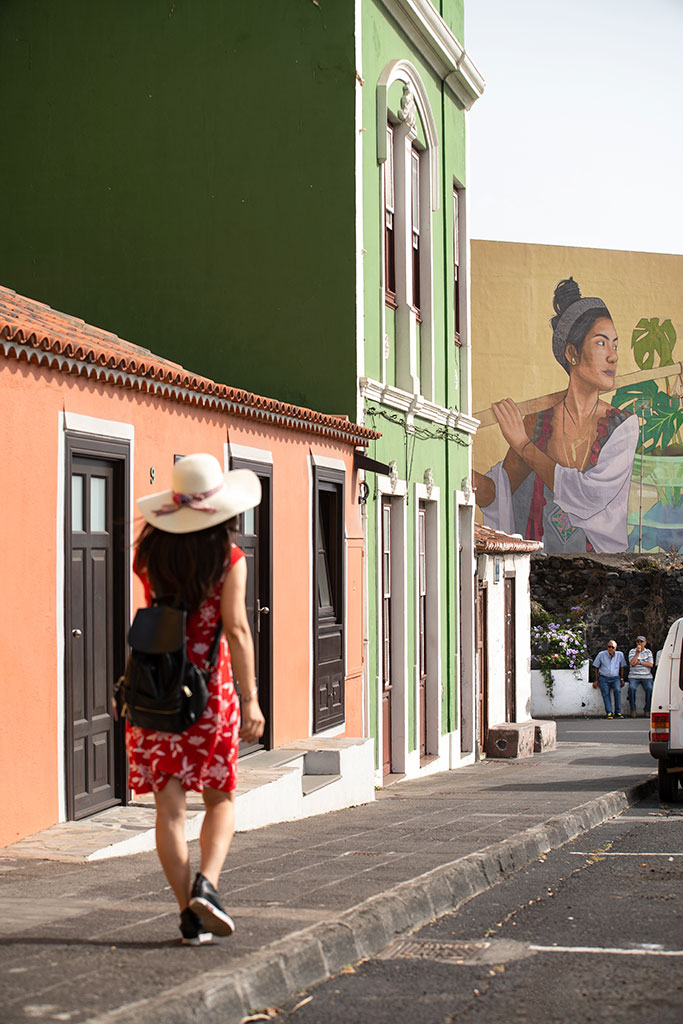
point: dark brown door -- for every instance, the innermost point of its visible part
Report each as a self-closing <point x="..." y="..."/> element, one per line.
<point x="510" y="649"/>
<point x="256" y="540"/>
<point x="387" y="687"/>
<point x="422" y="620"/>
<point x="482" y="663"/>
<point x="95" y="612"/>
<point x="329" y="599"/>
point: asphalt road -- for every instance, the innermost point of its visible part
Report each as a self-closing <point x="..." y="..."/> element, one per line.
<point x="591" y="932"/>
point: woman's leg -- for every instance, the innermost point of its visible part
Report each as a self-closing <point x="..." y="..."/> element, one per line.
<point x="171" y="843"/>
<point x="217" y="831"/>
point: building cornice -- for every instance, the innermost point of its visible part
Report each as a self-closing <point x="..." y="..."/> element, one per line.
<point x="416" y="405"/>
<point x="230" y="401"/>
<point x="427" y="30"/>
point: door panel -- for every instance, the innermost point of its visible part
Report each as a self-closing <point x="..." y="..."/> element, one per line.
<point x="96" y="618"/>
<point x="482" y="664"/>
<point x="387" y="686"/>
<point x="90" y="642"/>
<point x="329" y="600"/>
<point x="422" y="621"/>
<point x="255" y="539"/>
<point x="510" y="649"/>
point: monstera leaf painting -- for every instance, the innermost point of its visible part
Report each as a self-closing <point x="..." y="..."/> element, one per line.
<point x="650" y="338"/>
<point x="660" y="412"/>
<point x="659" y="458"/>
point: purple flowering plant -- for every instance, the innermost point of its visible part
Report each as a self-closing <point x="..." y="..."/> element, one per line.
<point x="557" y="643"/>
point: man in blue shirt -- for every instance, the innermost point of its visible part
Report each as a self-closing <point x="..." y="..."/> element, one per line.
<point x="609" y="667"/>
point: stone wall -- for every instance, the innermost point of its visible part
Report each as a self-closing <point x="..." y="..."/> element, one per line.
<point x="619" y="596"/>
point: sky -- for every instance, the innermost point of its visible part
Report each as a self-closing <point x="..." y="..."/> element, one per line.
<point x="578" y="137"/>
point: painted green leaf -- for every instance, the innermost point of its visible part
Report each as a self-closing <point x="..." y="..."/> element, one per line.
<point x="650" y="338"/>
<point x="642" y="393"/>
<point x="660" y="414"/>
<point x="662" y="421"/>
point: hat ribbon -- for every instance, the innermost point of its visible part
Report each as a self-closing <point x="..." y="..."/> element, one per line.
<point x="188" y="501"/>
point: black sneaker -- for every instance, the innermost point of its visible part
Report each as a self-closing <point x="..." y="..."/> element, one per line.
<point x="204" y="901"/>
<point x="192" y="929"/>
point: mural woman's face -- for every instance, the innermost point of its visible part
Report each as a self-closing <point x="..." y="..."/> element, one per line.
<point x="597" y="365"/>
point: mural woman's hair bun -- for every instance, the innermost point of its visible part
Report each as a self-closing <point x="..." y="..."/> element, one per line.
<point x="566" y="293"/>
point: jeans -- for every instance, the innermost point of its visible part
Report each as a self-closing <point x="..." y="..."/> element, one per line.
<point x="646" y="683"/>
<point x="613" y="684"/>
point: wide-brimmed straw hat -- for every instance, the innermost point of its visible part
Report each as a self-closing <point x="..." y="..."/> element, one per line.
<point x="202" y="495"/>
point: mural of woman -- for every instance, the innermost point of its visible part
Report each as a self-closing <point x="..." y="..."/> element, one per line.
<point x="566" y="475"/>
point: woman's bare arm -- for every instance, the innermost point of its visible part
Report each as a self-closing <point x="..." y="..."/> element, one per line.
<point x="238" y="633"/>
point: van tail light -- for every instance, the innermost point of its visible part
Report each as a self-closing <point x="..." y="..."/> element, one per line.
<point x="660" y="726"/>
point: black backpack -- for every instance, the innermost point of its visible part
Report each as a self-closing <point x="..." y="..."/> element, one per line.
<point x="161" y="688"/>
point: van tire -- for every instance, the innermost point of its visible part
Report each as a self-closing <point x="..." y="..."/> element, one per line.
<point x="666" y="784"/>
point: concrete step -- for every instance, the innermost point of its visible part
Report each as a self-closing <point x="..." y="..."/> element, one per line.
<point x="311" y="783"/>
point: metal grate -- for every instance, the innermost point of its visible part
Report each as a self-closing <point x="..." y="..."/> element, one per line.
<point x="442" y="952"/>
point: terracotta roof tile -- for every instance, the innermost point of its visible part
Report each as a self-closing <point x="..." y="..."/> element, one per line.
<point x="33" y="331"/>
<point x="486" y="540"/>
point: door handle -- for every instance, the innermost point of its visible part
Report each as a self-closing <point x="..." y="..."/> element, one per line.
<point x="76" y="632"/>
<point x="260" y="610"/>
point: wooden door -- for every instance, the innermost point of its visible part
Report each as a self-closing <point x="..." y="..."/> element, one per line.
<point x="510" y="649"/>
<point x="256" y="540"/>
<point x="329" y="602"/>
<point x="95" y="611"/>
<point x="386" y="636"/>
<point x="481" y="640"/>
<point x="422" y="621"/>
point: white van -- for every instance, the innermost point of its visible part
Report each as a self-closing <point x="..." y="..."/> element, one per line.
<point x="666" y="715"/>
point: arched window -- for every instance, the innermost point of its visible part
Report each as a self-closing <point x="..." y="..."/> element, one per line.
<point x="407" y="153"/>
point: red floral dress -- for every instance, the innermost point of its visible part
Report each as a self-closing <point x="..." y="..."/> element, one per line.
<point x="206" y="753"/>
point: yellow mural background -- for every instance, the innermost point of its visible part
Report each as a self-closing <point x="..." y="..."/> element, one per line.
<point x="512" y="292"/>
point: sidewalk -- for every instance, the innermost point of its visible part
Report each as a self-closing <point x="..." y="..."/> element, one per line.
<point x="97" y="942"/>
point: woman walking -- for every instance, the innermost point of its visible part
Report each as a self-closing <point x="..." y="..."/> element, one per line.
<point x="185" y="556"/>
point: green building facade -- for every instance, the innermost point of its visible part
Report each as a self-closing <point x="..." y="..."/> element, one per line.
<point x="274" y="196"/>
<point x="417" y="83"/>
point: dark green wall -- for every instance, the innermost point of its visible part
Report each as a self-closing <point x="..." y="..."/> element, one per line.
<point x="181" y="172"/>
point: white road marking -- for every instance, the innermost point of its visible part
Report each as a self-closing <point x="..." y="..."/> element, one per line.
<point x="649" y="818"/>
<point x="607" y="950"/>
<point x="599" y="853"/>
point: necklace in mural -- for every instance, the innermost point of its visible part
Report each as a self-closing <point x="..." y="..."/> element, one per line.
<point x="584" y="436"/>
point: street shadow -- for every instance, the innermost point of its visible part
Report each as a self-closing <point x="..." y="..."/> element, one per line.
<point x="585" y="785"/>
<point x="625" y="759"/>
<point x="42" y="940"/>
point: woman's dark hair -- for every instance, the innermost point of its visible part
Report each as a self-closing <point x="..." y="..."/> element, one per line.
<point x="184" y="567"/>
<point x="567" y="293"/>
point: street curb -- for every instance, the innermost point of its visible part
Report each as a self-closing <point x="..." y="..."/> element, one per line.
<point x="278" y="972"/>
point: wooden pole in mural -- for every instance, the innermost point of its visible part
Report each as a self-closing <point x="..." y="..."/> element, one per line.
<point x="487" y="417"/>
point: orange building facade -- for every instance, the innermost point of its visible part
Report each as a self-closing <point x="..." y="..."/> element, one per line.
<point x="90" y="423"/>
